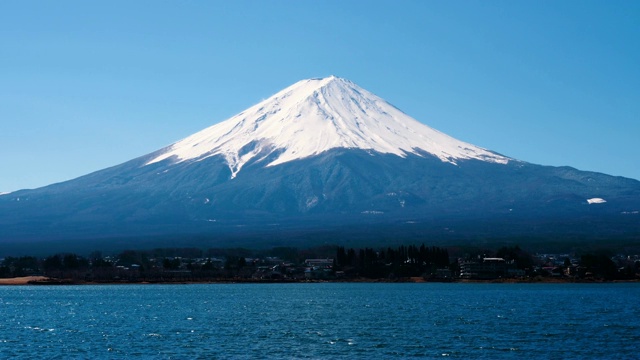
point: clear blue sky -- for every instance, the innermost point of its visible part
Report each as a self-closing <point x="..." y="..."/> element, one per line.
<point x="86" y="85"/>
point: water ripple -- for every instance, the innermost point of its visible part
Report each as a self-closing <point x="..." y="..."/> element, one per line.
<point x="320" y="321"/>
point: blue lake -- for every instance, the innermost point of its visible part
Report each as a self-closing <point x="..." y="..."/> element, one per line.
<point x="321" y="321"/>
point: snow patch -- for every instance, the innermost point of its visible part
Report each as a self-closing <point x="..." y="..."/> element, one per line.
<point x="372" y="212"/>
<point x="312" y="201"/>
<point x="4" y="193"/>
<point x="316" y="115"/>
<point x="596" y="201"/>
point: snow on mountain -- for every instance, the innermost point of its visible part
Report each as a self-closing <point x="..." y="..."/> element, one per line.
<point x="596" y="201"/>
<point x="316" y="115"/>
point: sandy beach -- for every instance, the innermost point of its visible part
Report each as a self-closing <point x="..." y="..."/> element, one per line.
<point x="22" y="280"/>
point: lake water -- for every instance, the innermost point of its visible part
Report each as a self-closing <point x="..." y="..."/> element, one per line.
<point x="321" y="321"/>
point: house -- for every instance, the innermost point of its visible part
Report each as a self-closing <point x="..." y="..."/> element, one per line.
<point x="487" y="268"/>
<point x="319" y="262"/>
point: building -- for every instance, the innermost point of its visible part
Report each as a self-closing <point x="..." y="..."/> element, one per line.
<point x="486" y="269"/>
<point x="319" y="262"/>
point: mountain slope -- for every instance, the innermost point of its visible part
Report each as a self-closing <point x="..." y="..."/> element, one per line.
<point x="323" y="154"/>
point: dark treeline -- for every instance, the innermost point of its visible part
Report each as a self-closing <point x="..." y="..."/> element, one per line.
<point x="160" y="264"/>
<point x="19" y="266"/>
<point x="403" y="261"/>
<point x="166" y="264"/>
<point x="194" y="264"/>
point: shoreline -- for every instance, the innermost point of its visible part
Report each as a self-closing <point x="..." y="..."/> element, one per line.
<point x="23" y="280"/>
<point x="44" y="280"/>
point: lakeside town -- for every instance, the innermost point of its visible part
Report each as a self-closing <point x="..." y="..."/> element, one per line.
<point x="400" y="264"/>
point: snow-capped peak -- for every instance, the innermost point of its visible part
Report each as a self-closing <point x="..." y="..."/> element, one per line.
<point x="316" y="115"/>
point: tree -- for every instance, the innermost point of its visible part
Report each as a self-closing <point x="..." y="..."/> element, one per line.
<point x="522" y="259"/>
<point x="208" y="266"/>
<point x="341" y="257"/>
<point x="599" y="265"/>
<point x="71" y="262"/>
<point x="52" y="263"/>
<point x="171" y="264"/>
<point x="101" y="263"/>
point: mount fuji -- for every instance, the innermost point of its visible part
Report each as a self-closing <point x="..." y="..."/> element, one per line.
<point x="314" y="116"/>
<point x="322" y="160"/>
